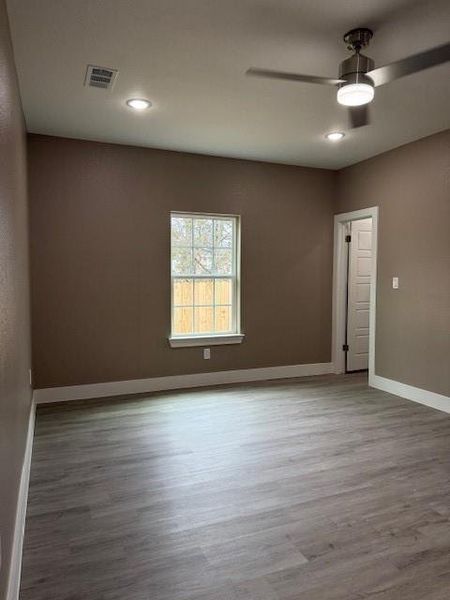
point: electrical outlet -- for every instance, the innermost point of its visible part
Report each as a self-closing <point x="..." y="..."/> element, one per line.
<point x="395" y="283"/>
<point x="206" y="353"/>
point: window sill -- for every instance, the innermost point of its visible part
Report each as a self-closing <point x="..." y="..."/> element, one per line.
<point x="209" y="340"/>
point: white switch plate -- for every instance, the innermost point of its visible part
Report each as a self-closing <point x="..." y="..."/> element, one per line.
<point x="206" y="353"/>
<point x="395" y="283"/>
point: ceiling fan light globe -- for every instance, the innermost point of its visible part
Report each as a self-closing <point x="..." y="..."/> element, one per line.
<point x="355" y="94"/>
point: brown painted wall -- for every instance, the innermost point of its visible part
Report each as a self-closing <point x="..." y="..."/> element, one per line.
<point x="100" y="259"/>
<point x="15" y="393"/>
<point x="411" y="185"/>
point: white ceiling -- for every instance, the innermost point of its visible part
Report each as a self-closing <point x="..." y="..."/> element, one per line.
<point x="189" y="58"/>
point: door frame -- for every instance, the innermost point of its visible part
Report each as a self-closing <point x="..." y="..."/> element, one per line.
<point x="340" y="287"/>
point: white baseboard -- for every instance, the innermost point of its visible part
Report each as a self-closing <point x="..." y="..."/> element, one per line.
<point x="158" y="384"/>
<point x="19" y="526"/>
<point x="438" y="401"/>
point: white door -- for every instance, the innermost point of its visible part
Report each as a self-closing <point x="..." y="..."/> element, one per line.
<point x="359" y="270"/>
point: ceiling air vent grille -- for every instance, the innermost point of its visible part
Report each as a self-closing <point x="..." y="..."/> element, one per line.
<point x="100" y="77"/>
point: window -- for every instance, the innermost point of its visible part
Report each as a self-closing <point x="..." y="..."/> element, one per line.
<point x="205" y="271"/>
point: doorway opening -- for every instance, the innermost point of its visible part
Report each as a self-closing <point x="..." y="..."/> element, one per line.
<point x="354" y="291"/>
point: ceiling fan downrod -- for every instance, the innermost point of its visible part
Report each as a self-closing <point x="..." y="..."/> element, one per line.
<point x="358" y="38"/>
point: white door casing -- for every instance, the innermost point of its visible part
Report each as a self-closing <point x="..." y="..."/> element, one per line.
<point x="358" y="311"/>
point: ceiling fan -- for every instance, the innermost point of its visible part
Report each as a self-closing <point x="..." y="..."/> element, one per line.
<point x="358" y="76"/>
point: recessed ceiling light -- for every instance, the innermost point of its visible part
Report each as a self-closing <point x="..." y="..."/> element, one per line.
<point x="335" y="136"/>
<point x="139" y="103"/>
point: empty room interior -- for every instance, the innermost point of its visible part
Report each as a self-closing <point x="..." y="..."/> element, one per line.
<point x="225" y="300"/>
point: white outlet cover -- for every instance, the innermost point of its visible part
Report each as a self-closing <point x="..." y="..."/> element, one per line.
<point x="206" y="353"/>
<point x="395" y="283"/>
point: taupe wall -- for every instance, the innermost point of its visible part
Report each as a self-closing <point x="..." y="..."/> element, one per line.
<point x="100" y="259"/>
<point x="411" y="185"/>
<point x="15" y="392"/>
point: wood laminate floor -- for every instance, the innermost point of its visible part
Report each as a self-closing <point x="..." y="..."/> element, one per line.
<point x="310" y="489"/>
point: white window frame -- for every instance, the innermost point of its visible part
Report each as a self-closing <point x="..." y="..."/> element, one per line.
<point x="236" y="337"/>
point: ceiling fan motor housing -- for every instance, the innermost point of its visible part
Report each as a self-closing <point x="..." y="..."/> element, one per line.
<point x="354" y="69"/>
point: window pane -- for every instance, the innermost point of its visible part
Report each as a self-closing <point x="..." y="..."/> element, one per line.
<point x="183" y="292"/>
<point x="223" y="262"/>
<point x="202" y="261"/>
<point x="181" y="231"/>
<point x="181" y="261"/>
<point x="182" y="321"/>
<point x="203" y="250"/>
<point x="204" y="291"/>
<point x="223" y="319"/>
<point x="223" y="291"/>
<point x="223" y="233"/>
<point x="204" y="319"/>
<point x="203" y="233"/>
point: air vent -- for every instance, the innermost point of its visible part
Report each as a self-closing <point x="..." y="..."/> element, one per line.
<point x="100" y="77"/>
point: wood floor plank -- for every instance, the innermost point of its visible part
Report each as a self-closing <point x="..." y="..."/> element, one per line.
<point x="312" y="489"/>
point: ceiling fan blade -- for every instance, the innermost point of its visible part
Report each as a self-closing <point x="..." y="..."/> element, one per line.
<point x="359" y="116"/>
<point x="411" y="64"/>
<point x="292" y="76"/>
